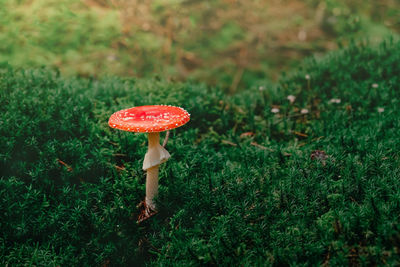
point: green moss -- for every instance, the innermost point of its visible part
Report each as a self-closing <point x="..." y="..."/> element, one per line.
<point x="224" y="199"/>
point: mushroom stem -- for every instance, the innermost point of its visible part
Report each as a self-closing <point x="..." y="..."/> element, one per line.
<point x="156" y="154"/>
<point x="154" y="139"/>
<point x="152" y="186"/>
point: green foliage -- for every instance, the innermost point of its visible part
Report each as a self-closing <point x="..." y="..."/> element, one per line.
<point x="70" y="184"/>
<point x="224" y="43"/>
<point x="52" y="33"/>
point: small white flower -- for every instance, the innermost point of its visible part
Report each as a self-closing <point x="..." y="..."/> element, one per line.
<point x="275" y="110"/>
<point x="335" y="100"/>
<point x="291" y="98"/>
<point x="304" y="111"/>
<point x="261" y="88"/>
<point x="375" y="85"/>
<point x="307" y="76"/>
<point x="380" y="110"/>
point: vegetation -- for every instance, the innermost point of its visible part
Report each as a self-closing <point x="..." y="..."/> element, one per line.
<point x="254" y="178"/>
<point x="229" y="43"/>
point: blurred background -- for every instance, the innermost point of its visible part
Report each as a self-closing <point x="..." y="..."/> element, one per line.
<point x="232" y="44"/>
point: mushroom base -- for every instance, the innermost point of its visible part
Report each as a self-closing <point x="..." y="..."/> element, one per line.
<point x="145" y="212"/>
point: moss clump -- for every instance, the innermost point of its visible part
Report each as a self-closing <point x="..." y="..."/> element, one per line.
<point x="70" y="184"/>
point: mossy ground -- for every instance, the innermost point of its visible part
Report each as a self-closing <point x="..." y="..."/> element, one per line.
<point x="70" y="185"/>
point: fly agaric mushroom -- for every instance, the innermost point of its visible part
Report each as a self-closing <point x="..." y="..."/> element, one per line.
<point x="152" y="120"/>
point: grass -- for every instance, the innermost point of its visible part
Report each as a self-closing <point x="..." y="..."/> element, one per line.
<point x="225" y="43"/>
<point x="69" y="184"/>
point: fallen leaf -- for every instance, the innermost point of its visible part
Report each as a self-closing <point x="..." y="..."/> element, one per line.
<point x="228" y="143"/>
<point x="247" y="134"/>
<point x="300" y="134"/>
<point x="120" y="168"/>
<point x="69" y="168"/>
<point x="319" y="155"/>
<point x="262" y="147"/>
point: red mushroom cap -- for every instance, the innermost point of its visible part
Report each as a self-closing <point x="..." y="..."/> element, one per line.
<point x="149" y="119"/>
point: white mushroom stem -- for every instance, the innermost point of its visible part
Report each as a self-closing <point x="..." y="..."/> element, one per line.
<point x="152" y="186"/>
<point x="156" y="154"/>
